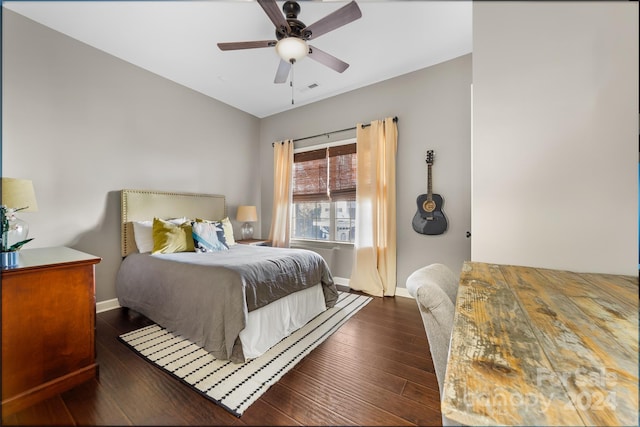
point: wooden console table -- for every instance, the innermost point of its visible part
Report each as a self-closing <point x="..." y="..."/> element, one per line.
<point x="254" y="242"/>
<point x="48" y="325"/>
<point x="535" y="346"/>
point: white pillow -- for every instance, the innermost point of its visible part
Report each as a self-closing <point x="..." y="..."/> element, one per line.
<point x="143" y="233"/>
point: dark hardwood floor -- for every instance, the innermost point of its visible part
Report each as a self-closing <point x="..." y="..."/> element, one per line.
<point x="375" y="370"/>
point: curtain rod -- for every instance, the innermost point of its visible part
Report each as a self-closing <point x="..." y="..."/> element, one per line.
<point x="395" y="119"/>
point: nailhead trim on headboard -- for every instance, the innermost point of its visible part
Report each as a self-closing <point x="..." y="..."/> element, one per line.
<point x="140" y="205"/>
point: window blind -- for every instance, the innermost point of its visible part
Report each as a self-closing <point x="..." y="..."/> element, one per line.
<point x="342" y="172"/>
<point x="325" y="174"/>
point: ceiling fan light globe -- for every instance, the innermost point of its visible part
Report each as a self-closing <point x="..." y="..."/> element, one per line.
<point x="292" y="48"/>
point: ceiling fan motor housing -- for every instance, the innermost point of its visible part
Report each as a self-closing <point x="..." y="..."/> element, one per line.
<point x="291" y="10"/>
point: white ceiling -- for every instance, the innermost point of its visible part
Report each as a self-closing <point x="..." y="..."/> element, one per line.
<point x="177" y="40"/>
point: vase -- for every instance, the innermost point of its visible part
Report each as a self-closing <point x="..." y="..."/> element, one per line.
<point x="9" y="259"/>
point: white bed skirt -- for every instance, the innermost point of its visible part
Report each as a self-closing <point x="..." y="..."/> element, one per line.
<point x="268" y="325"/>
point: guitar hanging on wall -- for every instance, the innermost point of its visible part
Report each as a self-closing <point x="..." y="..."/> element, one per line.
<point x="429" y="219"/>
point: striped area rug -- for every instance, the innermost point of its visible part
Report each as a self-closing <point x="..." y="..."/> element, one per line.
<point x="236" y="386"/>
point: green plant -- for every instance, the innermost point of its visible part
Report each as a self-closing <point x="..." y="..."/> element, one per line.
<point x="5" y="215"/>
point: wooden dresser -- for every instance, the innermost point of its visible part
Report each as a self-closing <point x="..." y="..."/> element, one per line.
<point x="48" y="325"/>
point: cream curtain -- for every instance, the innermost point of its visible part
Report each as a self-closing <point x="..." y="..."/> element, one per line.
<point x="282" y="177"/>
<point x="374" y="269"/>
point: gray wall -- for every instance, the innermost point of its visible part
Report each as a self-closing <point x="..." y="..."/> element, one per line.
<point x="433" y="110"/>
<point x="555" y="135"/>
<point x="83" y="125"/>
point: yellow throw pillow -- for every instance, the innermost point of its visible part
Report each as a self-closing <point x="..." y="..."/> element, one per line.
<point x="228" y="231"/>
<point x="169" y="238"/>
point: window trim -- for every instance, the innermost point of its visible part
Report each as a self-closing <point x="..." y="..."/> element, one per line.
<point x="324" y="145"/>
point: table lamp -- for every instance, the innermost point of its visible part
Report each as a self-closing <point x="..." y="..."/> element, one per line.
<point x="17" y="195"/>
<point x="247" y="214"/>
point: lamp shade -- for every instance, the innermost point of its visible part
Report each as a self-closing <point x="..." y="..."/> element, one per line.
<point x="18" y="194"/>
<point x="292" y="48"/>
<point x="247" y="214"/>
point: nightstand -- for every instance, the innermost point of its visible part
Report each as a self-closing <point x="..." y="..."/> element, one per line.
<point x="48" y="325"/>
<point x="254" y="242"/>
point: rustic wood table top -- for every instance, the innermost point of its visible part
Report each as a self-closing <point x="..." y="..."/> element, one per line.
<point x="534" y="346"/>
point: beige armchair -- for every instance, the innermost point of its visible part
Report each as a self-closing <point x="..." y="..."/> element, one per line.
<point x="435" y="288"/>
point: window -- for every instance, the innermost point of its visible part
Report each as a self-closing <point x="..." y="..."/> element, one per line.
<point x="324" y="194"/>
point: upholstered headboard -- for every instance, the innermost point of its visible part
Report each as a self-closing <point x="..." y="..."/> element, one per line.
<point x="142" y="205"/>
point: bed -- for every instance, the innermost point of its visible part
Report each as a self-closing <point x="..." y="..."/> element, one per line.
<point x="235" y="303"/>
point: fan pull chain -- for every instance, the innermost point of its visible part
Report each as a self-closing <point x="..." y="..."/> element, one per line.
<point x="291" y="81"/>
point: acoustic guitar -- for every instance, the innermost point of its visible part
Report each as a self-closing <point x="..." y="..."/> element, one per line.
<point x="429" y="219"/>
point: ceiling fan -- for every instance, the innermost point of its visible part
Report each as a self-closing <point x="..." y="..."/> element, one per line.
<point x="292" y="36"/>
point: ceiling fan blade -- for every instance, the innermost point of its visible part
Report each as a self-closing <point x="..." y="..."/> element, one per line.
<point x="337" y="19"/>
<point x="246" y="45"/>
<point x="272" y="10"/>
<point x="329" y="60"/>
<point x="283" y="71"/>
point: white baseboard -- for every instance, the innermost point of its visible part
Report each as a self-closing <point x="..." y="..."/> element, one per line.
<point x="107" y="305"/>
<point x="403" y="292"/>
<point x="341" y="281"/>
<point x="400" y="292"/>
